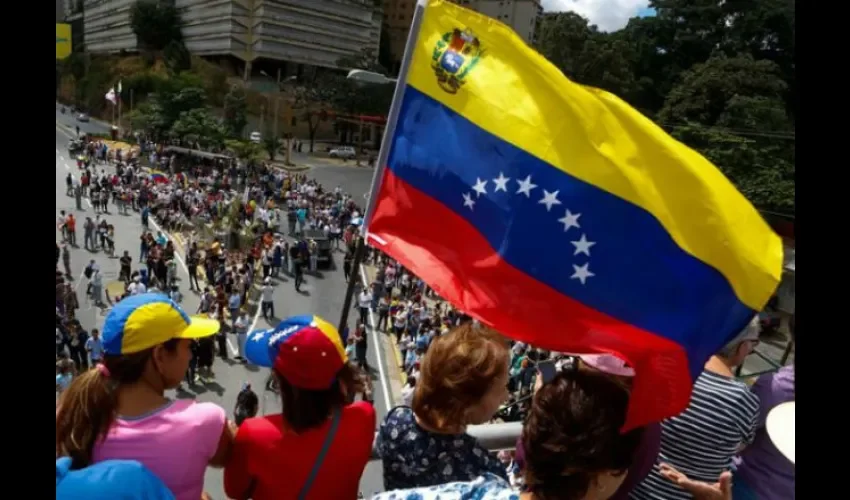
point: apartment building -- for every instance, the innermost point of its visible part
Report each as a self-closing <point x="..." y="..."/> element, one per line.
<point x="397" y="17"/>
<point x="311" y="32"/>
<point x="107" y="26"/>
<point x="521" y="15"/>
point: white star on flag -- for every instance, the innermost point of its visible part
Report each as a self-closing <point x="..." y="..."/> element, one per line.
<point x="468" y="201"/>
<point x="570" y="220"/>
<point x="549" y="199"/>
<point x="479" y="186"/>
<point x="582" y="245"/>
<point x="501" y="182"/>
<point x="525" y="187"/>
<point x="257" y="336"/>
<point x="581" y="273"/>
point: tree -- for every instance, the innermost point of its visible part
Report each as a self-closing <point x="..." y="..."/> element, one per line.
<point x="732" y="111"/>
<point x="271" y="145"/>
<point x="171" y="98"/>
<point x="247" y="151"/>
<point x="177" y="57"/>
<point x="707" y="89"/>
<point x="156" y="24"/>
<point x="561" y="39"/>
<point x="312" y="103"/>
<point x="235" y="111"/>
<point x="198" y="125"/>
<point x="587" y="56"/>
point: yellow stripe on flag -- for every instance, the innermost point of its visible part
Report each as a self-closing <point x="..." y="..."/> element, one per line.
<point x="515" y="94"/>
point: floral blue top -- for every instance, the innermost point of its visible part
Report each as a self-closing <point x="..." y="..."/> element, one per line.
<point x="486" y="487"/>
<point x="413" y="457"/>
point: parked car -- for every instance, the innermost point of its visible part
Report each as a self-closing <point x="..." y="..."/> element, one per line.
<point x="256" y="137"/>
<point x="82" y="117"/>
<point x="344" y="152"/>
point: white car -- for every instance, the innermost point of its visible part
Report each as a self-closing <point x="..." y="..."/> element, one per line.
<point x="344" y="152"/>
<point x="256" y="137"/>
<point x="82" y="117"/>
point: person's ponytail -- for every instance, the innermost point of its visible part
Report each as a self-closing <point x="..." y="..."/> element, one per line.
<point x="88" y="407"/>
<point x="85" y="413"/>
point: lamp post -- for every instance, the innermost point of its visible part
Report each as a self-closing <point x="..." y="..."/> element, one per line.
<point x="365" y="77"/>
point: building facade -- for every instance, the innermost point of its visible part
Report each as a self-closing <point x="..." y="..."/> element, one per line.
<point x="311" y="32"/>
<point x="107" y="26"/>
<point x="521" y="15"/>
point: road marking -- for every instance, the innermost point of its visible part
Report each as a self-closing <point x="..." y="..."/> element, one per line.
<point x="186" y="268"/>
<point x="79" y="280"/>
<point x="61" y="128"/>
<point x="88" y="202"/>
<point x="377" y="346"/>
<point x="67" y="167"/>
<point x="61" y="157"/>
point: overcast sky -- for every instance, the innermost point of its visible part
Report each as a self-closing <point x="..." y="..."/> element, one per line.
<point x="608" y="15"/>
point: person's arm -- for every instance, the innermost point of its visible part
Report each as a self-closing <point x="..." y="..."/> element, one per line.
<point x="238" y="482"/>
<point x="701" y="490"/>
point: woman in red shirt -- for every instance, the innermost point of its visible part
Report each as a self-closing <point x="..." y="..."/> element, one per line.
<point x="318" y="446"/>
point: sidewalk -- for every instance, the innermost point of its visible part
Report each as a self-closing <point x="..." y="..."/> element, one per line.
<point x="392" y="354"/>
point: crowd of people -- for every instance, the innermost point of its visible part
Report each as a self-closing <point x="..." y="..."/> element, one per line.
<point x="116" y="427"/>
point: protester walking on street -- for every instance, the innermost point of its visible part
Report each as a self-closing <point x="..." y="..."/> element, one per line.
<point x="267" y="304"/>
<point x="66" y="260"/>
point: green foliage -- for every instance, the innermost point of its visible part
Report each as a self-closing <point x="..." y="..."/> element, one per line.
<point x="235" y="111"/>
<point x="199" y="125"/>
<point x="271" y="144"/>
<point x="762" y="167"/>
<point x="213" y="78"/>
<point x="247" y="151"/>
<point x="313" y="103"/>
<point x="156" y="24"/>
<point x="177" y="57"/>
<point x="719" y="75"/>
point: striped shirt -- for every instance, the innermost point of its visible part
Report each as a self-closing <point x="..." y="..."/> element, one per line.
<point x="701" y="441"/>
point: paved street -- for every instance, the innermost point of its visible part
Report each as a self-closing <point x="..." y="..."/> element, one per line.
<point x="322" y="295"/>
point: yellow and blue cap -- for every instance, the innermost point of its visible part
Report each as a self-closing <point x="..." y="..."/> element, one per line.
<point x="306" y="350"/>
<point x="146" y="320"/>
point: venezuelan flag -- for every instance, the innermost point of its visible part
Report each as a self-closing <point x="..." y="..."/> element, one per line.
<point x="561" y="216"/>
<point x="157" y="177"/>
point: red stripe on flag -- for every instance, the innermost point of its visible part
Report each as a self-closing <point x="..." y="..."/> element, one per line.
<point x="457" y="261"/>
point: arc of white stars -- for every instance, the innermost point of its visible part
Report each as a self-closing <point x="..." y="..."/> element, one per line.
<point x="525" y="187"/>
<point x="570" y="220"/>
<point x="468" y="201"/>
<point x="582" y="245"/>
<point x="581" y="273"/>
<point x="501" y="183"/>
<point x="479" y="187"/>
<point x="550" y="199"/>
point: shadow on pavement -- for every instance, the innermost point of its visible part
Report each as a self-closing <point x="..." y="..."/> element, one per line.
<point x="215" y="387"/>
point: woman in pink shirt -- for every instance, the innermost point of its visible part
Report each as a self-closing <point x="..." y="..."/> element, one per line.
<point x="118" y="410"/>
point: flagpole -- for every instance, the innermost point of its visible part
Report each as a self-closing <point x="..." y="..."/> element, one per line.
<point x="119" y="109"/>
<point x="383" y="154"/>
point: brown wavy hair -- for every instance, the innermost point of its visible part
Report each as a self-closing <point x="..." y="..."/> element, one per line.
<point x="572" y="434"/>
<point x="87" y="408"/>
<point x="456" y="372"/>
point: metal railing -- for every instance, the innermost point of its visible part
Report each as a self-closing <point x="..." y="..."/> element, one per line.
<point x="494" y="437"/>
